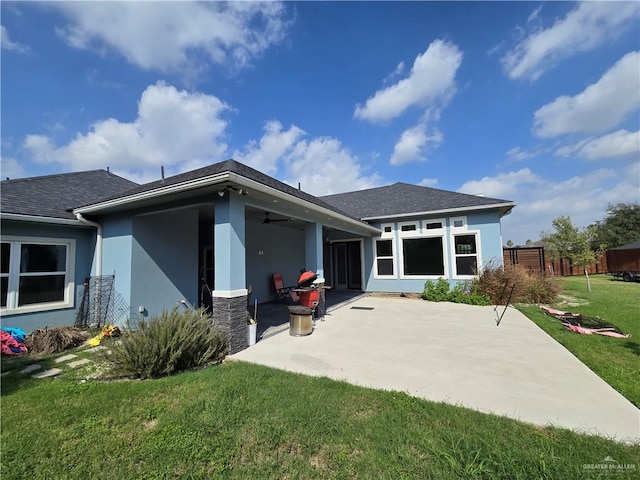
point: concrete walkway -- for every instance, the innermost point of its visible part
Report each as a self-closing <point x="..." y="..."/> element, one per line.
<point x="455" y="354"/>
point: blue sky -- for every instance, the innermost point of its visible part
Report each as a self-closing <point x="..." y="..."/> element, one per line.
<point x="526" y="101"/>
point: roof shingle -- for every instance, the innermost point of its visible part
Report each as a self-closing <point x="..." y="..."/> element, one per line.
<point x="218" y="168"/>
<point x="55" y="195"/>
<point x="403" y="199"/>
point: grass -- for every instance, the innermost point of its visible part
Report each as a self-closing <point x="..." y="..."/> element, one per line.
<point x="616" y="361"/>
<point x="238" y="420"/>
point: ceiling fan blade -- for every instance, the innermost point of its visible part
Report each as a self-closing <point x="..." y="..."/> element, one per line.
<point x="268" y="219"/>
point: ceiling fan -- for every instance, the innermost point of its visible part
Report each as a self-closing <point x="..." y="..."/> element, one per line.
<point x="267" y="219"/>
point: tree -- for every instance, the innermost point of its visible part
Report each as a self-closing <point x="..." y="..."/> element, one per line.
<point x="570" y="242"/>
<point x="509" y="243"/>
<point x="620" y="227"/>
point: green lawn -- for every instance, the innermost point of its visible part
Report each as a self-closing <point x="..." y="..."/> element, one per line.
<point x="616" y="360"/>
<point x="238" y="420"/>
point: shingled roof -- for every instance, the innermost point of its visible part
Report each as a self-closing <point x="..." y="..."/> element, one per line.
<point x="402" y="199"/>
<point x="55" y="195"/>
<point x="231" y="166"/>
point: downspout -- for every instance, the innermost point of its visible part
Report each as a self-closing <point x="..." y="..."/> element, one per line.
<point x="98" y="251"/>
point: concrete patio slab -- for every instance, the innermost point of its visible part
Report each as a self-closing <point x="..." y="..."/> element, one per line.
<point x="455" y="354"/>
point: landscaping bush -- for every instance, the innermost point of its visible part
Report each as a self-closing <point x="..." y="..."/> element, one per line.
<point x="174" y="341"/>
<point x="530" y="287"/>
<point x="462" y="292"/>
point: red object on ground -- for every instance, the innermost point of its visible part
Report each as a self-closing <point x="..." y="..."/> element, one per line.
<point x="10" y="346"/>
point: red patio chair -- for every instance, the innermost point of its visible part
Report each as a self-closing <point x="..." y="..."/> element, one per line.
<point x="282" y="292"/>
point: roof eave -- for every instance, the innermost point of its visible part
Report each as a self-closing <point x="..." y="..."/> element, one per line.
<point x="39" y="219"/>
<point x="155" y="193"/>
<point x="505" y="208"/>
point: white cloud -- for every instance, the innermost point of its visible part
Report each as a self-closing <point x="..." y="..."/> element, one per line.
<point x="11" y="168"/>
<point x="504" y="185"/>
<point x="413" y="145"/>
<point x="617" y="144"/>
<point x="587" y="26"/>
<point x="539" y="200"/>
<point x="9" y="45"/>
<point x="430" y="85"/>
<point x="516" y="154"/>
<point x="265" y="154"/>
<point x="600" y="107"/>
<point x="176" y="129"/>
<point x="172" y="36"/>
<point x="399" y="70"/>
<point x="428" y="182"/>
<point x="324" y="166"/>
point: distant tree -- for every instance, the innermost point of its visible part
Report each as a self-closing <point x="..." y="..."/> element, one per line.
<point x="528" y="242"/>
<point x="620" y="227"/>
<point x="509" y="243"/>
<point x="570" y="242"/>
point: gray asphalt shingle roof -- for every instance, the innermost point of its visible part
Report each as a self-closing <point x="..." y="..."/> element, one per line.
<point x="218" y="168"/>
<point x="403" y="198"/>
<point x="55" y="195"/>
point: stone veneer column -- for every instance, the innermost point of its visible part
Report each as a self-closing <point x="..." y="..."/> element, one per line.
<point x="230" y="314"/>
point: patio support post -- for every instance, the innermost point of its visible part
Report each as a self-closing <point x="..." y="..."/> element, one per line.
<point x="229" y="304"/>
<point x="313" y="248"/>
<point x="314" y="251"/>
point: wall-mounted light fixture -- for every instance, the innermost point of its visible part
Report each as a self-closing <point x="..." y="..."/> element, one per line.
<point x="229" y="188"/>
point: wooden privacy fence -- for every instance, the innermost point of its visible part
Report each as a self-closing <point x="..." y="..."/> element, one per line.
<point x="534" y="260"/>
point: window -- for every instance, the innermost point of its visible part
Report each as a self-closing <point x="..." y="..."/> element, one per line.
<point x="423" y="256"/>
<point x="409" y="229"/>
<point x="433" y="225"/>
<point x="459" y="223"/>
<point x="387" y="230"/>
<point x="384" y="258"/>
<point x="4" y="273"/>
<point x="465" y="254"/>
<point x="36" y="274"/>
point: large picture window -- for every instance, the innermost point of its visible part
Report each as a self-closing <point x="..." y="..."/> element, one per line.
<point x="466" y="254"/>
<point x="423" y="256"/>
<point x="36" y="274"/>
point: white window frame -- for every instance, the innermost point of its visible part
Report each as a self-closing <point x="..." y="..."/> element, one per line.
<point x="455" y="255"/>
<point x="410" y="233"/>
<point x="14" y="274"/>
<point x="421" y="231"/>
<point x="433" y="231"/>
<point x="393" y="257"/>
<point x="387" y="234"/>
<point x="462" y="228"/>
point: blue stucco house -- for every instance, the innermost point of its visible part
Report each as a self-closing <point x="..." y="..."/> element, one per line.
<point x="226" y="226"/>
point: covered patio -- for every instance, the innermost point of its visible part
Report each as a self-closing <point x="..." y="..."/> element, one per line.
<point x="273" y="317"/>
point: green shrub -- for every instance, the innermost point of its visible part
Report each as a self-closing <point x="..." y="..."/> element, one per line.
<point x="174" y="341"/>
<point x="462" y="292"/>
<point x="436" y="291"/>
<point x="530" y="287"/>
